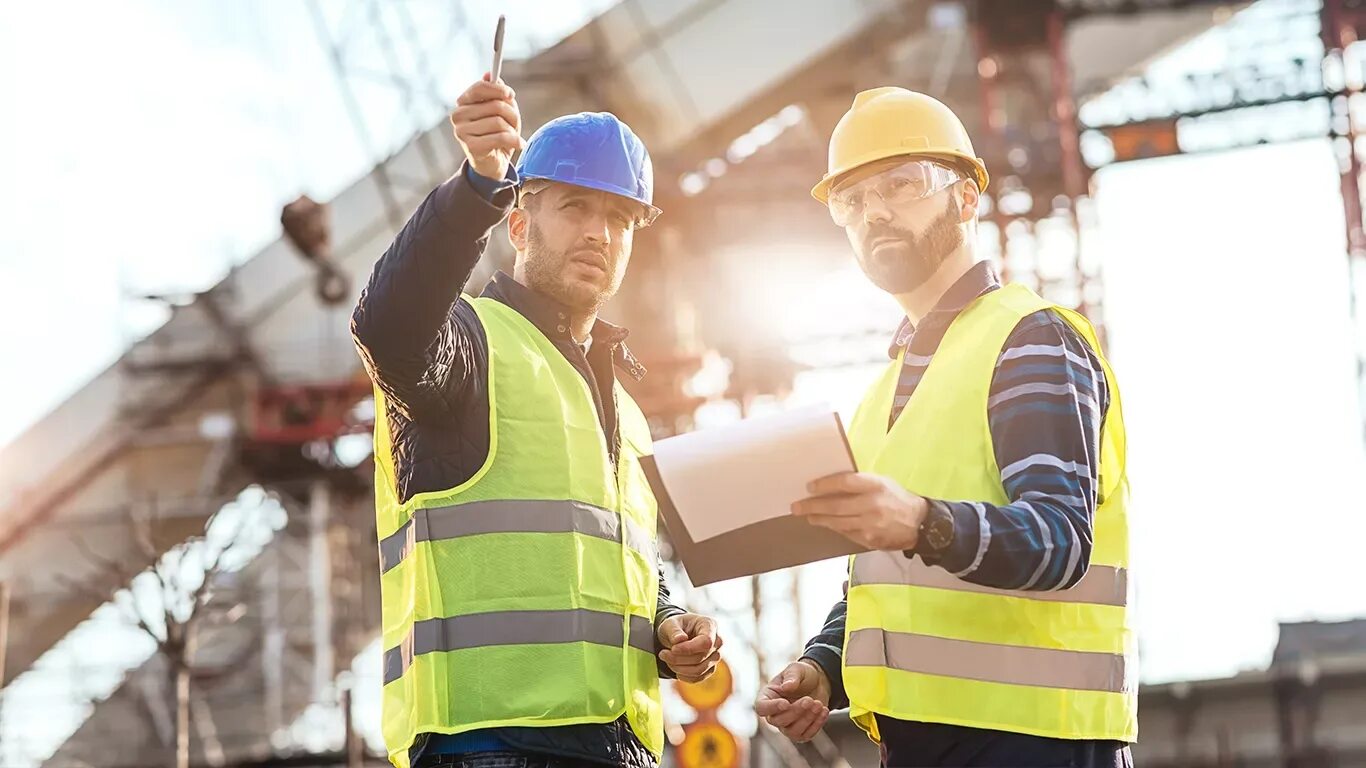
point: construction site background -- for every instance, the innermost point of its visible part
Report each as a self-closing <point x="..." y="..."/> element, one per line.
<point x="187" y="542"/>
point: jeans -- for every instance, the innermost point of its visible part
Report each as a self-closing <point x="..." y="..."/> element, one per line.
<point x="501" y="760"/>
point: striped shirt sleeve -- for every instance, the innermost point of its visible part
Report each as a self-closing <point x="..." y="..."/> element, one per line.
<point x="1046" y="408"/>
<point x="827" y="651"/>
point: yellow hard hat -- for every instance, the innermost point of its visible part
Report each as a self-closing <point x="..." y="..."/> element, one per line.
<point x="892" y="122"/>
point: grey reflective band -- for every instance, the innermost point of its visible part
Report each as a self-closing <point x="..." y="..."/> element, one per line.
<point x="642" y="634"/>
<point x="990" y="662"/>
<point x="1102" y="584"/>
<point x="479" y="630"/>
<point x="534" y="516"/>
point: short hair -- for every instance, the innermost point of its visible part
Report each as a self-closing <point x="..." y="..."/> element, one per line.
<point x="528" y="190"/>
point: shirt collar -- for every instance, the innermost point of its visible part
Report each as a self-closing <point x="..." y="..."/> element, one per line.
<point x="923" y="339"/>
<point x="552" y="319"/>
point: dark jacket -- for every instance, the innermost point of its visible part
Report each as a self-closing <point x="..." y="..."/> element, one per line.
<point x="425" y="349"/>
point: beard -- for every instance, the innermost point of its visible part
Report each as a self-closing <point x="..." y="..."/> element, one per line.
<point x="904" y="266"/>
<point x="545" y="272"/>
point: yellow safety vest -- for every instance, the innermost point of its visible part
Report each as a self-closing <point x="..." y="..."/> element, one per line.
<point x="925" y="646"/>
<point x="525" y="596"/>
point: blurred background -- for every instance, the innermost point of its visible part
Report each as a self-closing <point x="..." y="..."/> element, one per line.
<point x="187" y="543"/>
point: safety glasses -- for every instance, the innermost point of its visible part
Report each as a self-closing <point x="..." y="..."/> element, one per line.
<point x="905" y="183"/>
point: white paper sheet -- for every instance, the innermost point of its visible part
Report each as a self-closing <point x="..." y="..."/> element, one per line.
<point x="725" y="478"/>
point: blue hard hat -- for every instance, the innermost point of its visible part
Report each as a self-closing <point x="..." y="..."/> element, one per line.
<point x="593" y="150"/>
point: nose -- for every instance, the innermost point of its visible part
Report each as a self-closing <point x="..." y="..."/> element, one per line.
<point x="596" y="230"/>
<point x="875" y="210"/>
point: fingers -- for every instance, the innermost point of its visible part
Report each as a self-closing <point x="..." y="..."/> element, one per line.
<point x="797" y="718"/>
<point x="806" y="715"/>
<point x="695" y="647"/>
<point x="485" y="91"/>
<point x="795" y="731"/>
<point x="472" y="113"/>
<point x="788" y="715"/>
<point x="487" y="126"/>
<point x="840" y="505"/>
<point x="811" y="716"/>
<point x="699" y="677"/>
<point x="700" y="645"/>
<point x="678" y="663"/>
<point x="838" y="523"/>
<point x="851" y="528"/>
<point x="675" y="659"/>
<point x="771" y="702"/>
<point x="790" y="680"/>
<point x="844" y="482"/>
<point x="785" y="687"/>
<point x="506" y="142"/>
<point x="671" y="633"/>
<point x="693" y="673"/>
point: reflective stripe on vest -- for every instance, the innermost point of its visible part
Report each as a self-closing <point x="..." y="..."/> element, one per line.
<point x="524" y="596"/>
<point x="516" y="628"/>
<point x="922" y="644"/>
<point x="1102" y="584"/>
<point x="989" y="662"/>
<point x="498" y="516"/>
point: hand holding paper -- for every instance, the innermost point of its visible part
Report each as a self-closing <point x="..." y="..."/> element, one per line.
<point x="726" y="494"/>
<point x="865" y="508"/>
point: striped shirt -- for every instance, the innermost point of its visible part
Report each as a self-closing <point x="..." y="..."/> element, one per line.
<point x="1045" y="410"/>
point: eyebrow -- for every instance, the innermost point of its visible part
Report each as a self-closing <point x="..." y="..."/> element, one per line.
<point x="616" y="204"/>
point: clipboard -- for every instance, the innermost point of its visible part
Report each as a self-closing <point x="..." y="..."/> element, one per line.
<point x="768" y="545"/>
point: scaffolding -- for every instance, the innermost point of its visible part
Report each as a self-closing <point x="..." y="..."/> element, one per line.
<point x="725" y="159"/>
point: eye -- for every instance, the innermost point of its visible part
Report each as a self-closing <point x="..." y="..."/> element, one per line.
<point x="572" y="203"/>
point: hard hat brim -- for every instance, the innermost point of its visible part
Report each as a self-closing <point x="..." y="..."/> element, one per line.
<point x="651" y="212"/>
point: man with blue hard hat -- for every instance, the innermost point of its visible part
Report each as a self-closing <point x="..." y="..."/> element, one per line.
<point x="525" y="617"/>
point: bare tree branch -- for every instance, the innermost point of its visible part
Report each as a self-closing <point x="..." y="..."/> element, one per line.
<point x="142" y="533"/>
<point x="113" y="573"/>
<point x="140" y="619"/>
<point x="204" y="723"/>
<point x="231" y="668"/>
<point x="165" y="597"/>
<point x="83" y="588"/>
<point x="112" y="596"/>
<point x="109" y="567"/>
<point x="169" y="607"/>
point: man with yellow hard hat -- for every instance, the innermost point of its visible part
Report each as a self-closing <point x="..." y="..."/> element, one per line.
<point x="989" y="625"/>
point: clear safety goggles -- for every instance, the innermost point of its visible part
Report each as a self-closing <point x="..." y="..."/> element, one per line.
<point x="905" y="183"/>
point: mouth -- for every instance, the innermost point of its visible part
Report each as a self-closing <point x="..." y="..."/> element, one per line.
<point x="591" y="261"/>
<point x="883" y="241"/>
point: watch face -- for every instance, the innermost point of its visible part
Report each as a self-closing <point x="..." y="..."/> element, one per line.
<point x="940" y="533"/>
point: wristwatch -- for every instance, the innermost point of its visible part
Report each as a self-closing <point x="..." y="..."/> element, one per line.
<point x="936" y="530"/>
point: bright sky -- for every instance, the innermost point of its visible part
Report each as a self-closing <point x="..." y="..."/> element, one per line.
<point x="157" y="142"/>
<point x="150" y="144"/>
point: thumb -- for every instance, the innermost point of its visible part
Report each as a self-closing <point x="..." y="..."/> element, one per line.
<point x="671" y="632"/>
<point x="792" y="678"/>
